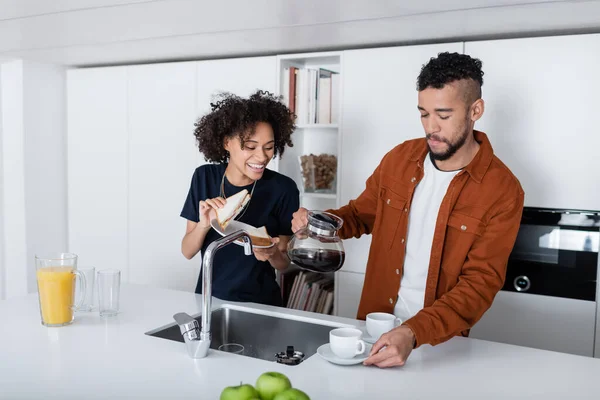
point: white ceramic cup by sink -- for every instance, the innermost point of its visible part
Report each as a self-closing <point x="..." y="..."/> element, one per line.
<point x="346" y="342"/>
<point x="379" y="323"/>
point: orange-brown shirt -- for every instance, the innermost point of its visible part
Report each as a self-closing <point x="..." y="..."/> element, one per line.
<point x="475" y="232"/>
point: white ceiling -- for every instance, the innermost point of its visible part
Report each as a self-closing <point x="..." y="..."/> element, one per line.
<point x="94" y="32"/>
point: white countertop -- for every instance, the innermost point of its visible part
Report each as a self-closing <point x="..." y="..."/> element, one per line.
<point x="96" y="358"/>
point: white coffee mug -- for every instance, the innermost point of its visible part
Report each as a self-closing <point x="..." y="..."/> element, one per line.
<point x="346" y="342"/>
<point x="379" y="323"/>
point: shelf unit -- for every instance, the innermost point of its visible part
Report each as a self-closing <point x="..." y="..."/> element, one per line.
<point x="314" y="138"/>
<point x="317" y="126"/>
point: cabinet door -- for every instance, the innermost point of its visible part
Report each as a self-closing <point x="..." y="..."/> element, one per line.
<point x="163" y="157"/>
<point x="541" y="322"/>
<point x="349" y="287"/>
<point x="541" y="99"/>
<point x="241" y="76"/>
<point x="379" y="111"/>
<point x="97" y="166"/>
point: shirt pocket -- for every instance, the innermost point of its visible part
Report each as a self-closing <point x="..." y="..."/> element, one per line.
<point x="393" y="209"/>
<point x="466" y="224"/>
<point x="462" y="232"/>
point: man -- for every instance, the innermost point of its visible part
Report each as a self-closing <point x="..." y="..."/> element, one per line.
<point x="444" y="213"/>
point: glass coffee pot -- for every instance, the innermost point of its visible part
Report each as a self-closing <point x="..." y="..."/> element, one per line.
<point x="317" y="247"/>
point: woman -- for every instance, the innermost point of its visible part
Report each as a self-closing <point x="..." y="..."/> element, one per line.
<point x="240" y="136"/>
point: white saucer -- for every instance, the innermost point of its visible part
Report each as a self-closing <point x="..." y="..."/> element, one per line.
<point x="369" y="339"/>
<point x="234" y="226"/>
<point x="325" y="352"/>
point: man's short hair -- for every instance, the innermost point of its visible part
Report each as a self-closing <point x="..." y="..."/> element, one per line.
<point x="450" y="67"/>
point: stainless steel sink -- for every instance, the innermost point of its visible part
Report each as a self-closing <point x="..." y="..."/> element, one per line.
<point x="262" y="336"/>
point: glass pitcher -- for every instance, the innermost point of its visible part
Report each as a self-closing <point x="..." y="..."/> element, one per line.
<point x="317" y="247"/>
<point x="56" y="274"/>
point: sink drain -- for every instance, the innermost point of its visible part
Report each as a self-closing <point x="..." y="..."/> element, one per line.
<point x="231" y="348"/>
<point x="290" y="356"/>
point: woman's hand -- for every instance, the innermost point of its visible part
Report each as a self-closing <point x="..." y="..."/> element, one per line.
<point x="276" y="255"/>
<point x="267" y="254"/>
<point x="205" y="210"/>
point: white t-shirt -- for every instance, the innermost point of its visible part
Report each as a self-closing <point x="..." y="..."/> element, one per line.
<point x="427" y="198"/>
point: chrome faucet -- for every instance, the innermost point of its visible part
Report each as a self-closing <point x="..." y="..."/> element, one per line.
<point x="197" y="339"/>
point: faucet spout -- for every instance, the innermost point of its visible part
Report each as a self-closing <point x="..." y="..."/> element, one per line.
<point x="198" y="340"/>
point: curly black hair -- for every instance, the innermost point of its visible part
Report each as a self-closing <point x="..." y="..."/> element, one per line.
<point x="450" y="67"/>
<point x="232" y="115"/>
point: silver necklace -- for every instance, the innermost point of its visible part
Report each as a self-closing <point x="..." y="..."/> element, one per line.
<point x="247" y="204"/>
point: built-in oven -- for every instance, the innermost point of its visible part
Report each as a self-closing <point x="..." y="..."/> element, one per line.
<point x="549" y="297"/>
<point x="555" y="254"/>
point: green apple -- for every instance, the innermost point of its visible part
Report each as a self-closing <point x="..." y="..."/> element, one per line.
<point x="270" y="384"/>
<point x="292" y="394"/>
<point x="241" y="392"/>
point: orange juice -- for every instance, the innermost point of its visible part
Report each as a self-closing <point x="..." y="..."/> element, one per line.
<point x="56" y="288"/>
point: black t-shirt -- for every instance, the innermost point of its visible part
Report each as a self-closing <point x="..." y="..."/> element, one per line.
<point x="237" y="277"/>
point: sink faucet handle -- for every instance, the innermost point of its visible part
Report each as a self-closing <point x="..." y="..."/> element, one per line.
<point x="247" y="244"/>
<point x="187" y="325"/>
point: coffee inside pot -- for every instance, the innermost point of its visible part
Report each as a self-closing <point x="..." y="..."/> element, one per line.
<point x="317" y="247"/>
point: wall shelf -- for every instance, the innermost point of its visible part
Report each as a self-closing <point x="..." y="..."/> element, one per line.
<point x="317" y="126"/>
<point x="331" y="196"/>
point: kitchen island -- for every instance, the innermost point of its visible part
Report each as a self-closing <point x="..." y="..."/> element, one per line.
<point x="113" y="358"/>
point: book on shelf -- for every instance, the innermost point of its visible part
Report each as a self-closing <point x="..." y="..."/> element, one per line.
<point x="307" y="291"/>
<point x="312" y="94"/>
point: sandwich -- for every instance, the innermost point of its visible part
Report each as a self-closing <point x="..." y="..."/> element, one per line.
<point x="233" y="206"/>
<point x="259" y="236"/>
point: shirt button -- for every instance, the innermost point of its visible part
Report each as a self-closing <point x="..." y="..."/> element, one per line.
<point x="406" y="210"/>
<point x="391" y="301"/>
<point x="397" y="271"/>
<point x="388" y="201"/>
<point x="402" y="240"/>
<point x="463" y="227"/>
<point x="413" y="179"/>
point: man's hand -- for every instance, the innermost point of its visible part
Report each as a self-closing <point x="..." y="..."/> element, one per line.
<point x="300" y="219"/>
<point x="396" y="344"/>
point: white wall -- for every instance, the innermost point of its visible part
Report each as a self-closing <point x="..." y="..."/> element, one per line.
<point x="33" y="170"/>
<point x="13" y="171"/>
<point x="44" y="110"/>
<point x="2" y="266"/>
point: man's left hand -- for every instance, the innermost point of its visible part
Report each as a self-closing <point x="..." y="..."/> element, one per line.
<point x="392" y="349"/>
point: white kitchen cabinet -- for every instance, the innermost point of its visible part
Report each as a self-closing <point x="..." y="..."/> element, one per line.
<point x="97" y="166"/>
<point x="349" y="287"/>
<point x="165" y="101"/>
<point x="131" y="156"/>
<point x="542" y="322"/>
<point x="162" y="158"/>
<point x="240" y="76"/>
<point x="541" y="99"/>
<point x="379" y="112"/>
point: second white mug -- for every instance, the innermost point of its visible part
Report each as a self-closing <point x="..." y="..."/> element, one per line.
<point x="379" y="323"/>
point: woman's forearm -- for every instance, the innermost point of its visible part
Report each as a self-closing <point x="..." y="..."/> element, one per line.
<point x="279" y="260"/>
<point x="192" y="242"/>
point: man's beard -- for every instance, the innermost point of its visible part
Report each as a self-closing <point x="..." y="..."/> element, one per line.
<point x="452" y="147"/>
